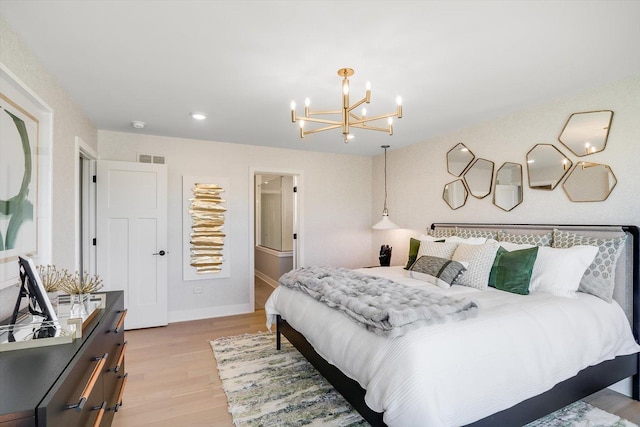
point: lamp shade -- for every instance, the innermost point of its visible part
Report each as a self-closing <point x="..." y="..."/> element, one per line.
<point x="385" y="223"/>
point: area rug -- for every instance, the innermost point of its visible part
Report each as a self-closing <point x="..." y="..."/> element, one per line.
<point x="265" y="387"/>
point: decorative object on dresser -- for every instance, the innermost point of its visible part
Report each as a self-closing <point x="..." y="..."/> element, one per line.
<point x="349" y="118"/>
<point x="76" y="384"/>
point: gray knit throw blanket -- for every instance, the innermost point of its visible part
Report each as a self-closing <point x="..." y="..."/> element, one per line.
<point x="382" y="306"/>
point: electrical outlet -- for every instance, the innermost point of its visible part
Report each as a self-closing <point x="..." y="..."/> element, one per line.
<point x="197" y="289"/>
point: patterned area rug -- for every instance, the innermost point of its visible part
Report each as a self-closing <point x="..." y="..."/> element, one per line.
<point x="265" y="387"/>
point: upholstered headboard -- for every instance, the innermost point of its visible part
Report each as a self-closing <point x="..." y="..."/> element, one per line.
<point x="627" y="273"/>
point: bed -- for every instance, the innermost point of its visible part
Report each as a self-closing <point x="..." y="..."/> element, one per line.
<point x="521" y="357"/>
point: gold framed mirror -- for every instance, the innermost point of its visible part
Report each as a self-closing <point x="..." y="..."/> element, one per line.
<point x="455" y="194"/>
<point x="586" y="133"/>
<point x="458" y="158"/>
<point x="589" y="182"/>
<point x="507" y="189"/>
<point x="479" y="177"/>
<point x="546" y="166"/>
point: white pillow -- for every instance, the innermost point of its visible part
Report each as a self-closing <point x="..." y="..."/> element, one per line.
<point x="480" y="260"/>
<point x="559" y="271"/>
<point x="468" y="240"/>
<point x="515" y="246"/>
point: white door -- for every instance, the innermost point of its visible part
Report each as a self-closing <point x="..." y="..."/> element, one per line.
<point x="132" y="238"/>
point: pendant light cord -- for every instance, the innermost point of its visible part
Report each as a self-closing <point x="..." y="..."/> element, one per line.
<point x="385" y="180"/>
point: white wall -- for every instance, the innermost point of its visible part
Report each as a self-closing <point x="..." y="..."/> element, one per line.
<point x="336" y="195"/>
<point x="418" y="173"/>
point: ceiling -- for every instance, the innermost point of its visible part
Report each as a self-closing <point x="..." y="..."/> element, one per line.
<point x="455" y="63"/>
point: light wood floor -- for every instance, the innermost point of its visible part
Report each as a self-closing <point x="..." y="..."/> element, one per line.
<point x="173" y="378"/>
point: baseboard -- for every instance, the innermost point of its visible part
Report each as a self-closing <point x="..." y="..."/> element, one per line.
<point x="209" y="312"/>
<point x="271" y="282"/>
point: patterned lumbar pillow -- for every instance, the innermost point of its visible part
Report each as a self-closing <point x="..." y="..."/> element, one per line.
<point x="599" y="278"/>
<point x="526" y="239"/>
<point x="442" y="232"/>
<point x="438" y="271"/>
<point x="480" y="260"/>
<point x="471" y="232"/>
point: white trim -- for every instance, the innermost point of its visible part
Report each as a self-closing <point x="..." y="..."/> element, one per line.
<point x="273" y="252"/>
<point x="210" y="312"/>
<point x="298" y="218"/>
<point x="268" y="280"/>
<point x="83" y="150"/>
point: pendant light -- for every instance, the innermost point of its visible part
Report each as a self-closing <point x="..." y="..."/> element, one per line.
<point x="385" y="223"/>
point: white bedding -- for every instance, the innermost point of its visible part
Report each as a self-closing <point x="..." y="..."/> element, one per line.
<point x="456" y="373"/>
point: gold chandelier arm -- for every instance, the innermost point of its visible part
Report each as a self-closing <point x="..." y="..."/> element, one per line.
<point x="365" y="126"/>
<point x="330" y="122"/>
<point x="357" y="104"/>
<point x="318" y="113"/>
<point x="370" y="119"/>
<point x="306" y="132"/>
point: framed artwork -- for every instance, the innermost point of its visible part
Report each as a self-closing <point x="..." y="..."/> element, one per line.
<point x="25" y="177"/>
<point x="205" y="253"/>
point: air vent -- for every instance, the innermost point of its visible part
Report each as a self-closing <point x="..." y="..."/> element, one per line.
<point x="151" y="158"/>
<point x="145" y="158"/>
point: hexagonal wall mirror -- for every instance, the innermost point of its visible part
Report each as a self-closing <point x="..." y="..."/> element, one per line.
<point x="458" y="158"/>
<point x="546" y="166"/>
<point x="507" y="190"/>
<point x="586" y="133"/>
<point x="589" y="182"/>
<point x="455" y="194"/>
<point x="478" y="178"/>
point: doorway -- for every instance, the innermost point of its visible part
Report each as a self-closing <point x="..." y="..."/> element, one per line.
<point x="276" y="224"/>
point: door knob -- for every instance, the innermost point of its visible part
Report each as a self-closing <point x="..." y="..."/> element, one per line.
<point x="161" y="253"/>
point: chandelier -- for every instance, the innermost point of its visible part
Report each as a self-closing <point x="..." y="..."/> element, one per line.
<point x="349" y="118"/>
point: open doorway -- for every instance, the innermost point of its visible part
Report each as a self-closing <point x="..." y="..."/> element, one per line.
<point x="85" y="208"/>
<point x="276" y="229"/>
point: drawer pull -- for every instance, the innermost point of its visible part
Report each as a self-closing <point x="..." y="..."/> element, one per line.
<point x="100" y="408"/>
<point x="123" y="313"/>
<point x="120" y="359"/>
<point x="91" y="383"/>
<point x="120" y="393"/>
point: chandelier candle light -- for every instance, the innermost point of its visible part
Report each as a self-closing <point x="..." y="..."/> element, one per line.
<point x="349" y="118"/>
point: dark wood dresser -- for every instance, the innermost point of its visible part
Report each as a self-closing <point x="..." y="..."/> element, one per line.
<point x="75" y="384"/>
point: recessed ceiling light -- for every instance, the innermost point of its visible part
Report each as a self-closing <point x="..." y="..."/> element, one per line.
<point x="138" y="124"/>
<point x="199" y="116"/>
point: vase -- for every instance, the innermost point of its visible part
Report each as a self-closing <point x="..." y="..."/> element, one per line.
<point x="53" y="298"/>
<point x="79" y="305"/>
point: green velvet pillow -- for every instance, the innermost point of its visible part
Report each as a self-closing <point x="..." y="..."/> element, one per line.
<point x="414" y="246"/>
<point x="511" y="271"/>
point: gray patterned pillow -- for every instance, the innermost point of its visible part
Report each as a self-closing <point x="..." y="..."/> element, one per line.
<point x="438" y="271"/>
<point x="480" y="261"/>
<point x="526" y="239"/>
<point x="442" y="232"/>
<point x="437" y="249"/>
<point x="471" y="232"/>
<point x="599" y="278"/>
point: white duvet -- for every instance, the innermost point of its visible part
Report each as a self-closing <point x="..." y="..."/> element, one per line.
<point x="456" y="373"/>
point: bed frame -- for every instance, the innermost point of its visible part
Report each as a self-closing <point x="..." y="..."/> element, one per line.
<point x="585" y="383"/>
